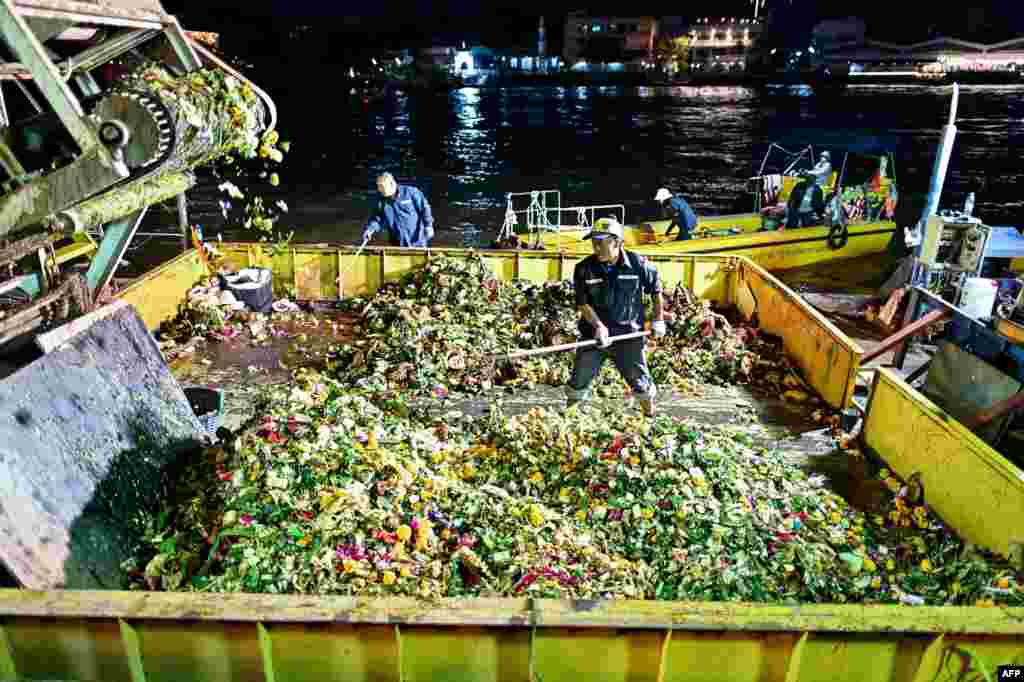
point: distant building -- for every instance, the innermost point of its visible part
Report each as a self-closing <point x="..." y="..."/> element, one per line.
<point x="609" y="43"/>
<point x="939" y="55"/>
<point x="723" y="44"/>
<point x="437" y="57"/>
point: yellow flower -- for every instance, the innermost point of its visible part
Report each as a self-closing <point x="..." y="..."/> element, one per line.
<point x="1004" y="583"/>
<point x="926" y="565"/>
<point x="985" y="602"/>
<point x="536" y="517"/>
<point x="876" y="582"/>
<point x="404" y="533"/>
<point x="405" y="572"/>
<point x="634" y="460"/>
<point x="581" y="515"/>
<point x="536" y="477"/>
<point x="890" y="565"/>
<point x="836" y="517"/>
<point x="870" y="566"/>
<point x="350" y="565"/>
<point x="388" y="577"/>
<point x="468" y="470"/>
<point x="647" y="513"/>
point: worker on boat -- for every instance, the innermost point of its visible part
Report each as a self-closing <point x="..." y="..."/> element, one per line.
<point x="822" y="170"/>
<point x="806" y="204"/>
<point x="610" y="285"/>
<point x="683" y="216"/>
<point x="404" y="211"/>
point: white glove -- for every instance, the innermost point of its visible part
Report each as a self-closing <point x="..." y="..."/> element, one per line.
<point x="659" y="329"/>
<point x="602" y="337"/>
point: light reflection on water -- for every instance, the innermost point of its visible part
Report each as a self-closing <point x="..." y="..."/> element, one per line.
<point x="612" y="144"/>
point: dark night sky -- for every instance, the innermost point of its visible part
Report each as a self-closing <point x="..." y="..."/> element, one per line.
<point x="391" y="24"/>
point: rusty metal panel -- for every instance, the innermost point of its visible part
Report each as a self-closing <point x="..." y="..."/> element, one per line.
<point x="100" y="11"/>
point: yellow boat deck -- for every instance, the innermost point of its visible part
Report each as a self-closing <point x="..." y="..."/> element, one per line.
<point x="774" y="250"/>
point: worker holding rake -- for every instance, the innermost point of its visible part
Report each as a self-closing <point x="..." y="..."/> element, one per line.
<point x="610" y="285"/>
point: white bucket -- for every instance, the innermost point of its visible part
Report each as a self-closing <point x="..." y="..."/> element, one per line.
<point x="978" y="297"/>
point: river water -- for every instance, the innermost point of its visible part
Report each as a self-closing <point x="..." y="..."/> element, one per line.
<point x="615" y="145"/>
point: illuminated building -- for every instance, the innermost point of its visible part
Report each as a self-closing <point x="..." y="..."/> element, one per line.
<point x="722" y="44"/>
<point x="609" y="43"/>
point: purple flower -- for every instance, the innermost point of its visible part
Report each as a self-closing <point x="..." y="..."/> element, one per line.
<point x="354" y="552"/>
<point x="246" y="520"/>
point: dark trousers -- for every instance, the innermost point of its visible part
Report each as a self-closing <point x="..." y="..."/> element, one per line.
<point x="629" y="359"/>
<point x="684" y="232"/>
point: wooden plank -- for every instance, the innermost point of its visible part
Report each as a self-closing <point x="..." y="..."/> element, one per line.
<point x="965" y="481"/>
<point x="52" y="340"/>
<point x="915" y="327"/>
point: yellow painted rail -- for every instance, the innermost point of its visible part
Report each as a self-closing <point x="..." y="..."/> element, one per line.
<point x="114" y="636"/>
<point x="775" y="250"/>
<point x="827" y="357"/>
<point x="977" y="491"/>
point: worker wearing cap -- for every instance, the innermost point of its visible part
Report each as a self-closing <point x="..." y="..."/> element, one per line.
<point x="683" y="216"/>
<point x="404" y="211"/>
<point x="822" y="170"/>
<point x="610" y="285"/>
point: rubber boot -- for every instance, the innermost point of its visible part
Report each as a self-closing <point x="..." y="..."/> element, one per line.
<point x="647" y="406"/>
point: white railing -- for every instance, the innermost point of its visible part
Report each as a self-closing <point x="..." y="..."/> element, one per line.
<point x="542" y="205"/>
<point x="544" y="212"/>
<point x="586" y="215"/>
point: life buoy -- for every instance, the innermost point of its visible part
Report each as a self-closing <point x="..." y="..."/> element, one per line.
<point x="838" y="235"/>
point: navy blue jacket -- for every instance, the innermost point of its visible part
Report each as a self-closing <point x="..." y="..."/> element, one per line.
<point x="615" y="293"/>
<point x="683" y="215"/>
<point x="407" y="217"/>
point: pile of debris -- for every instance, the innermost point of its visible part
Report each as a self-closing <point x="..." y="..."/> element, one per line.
<point x="447" y="327"/>
<point x="336" y="495"/>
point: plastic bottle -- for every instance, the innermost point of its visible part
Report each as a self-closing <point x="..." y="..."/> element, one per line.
<point x="969" y="205"/>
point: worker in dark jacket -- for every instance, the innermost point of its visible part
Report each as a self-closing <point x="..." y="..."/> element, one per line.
<point x="806" y="204"/>
<point x="609" y="287"/>
<point x="404" y="211"/>
<point x="683" y="216"/>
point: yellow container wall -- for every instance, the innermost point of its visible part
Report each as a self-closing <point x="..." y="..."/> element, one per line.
<point x="168" y="636"/>
<point x="971" y="486"/>
<point x="158" y="294"/>
<point x="114" y="636"/>
<point x="827" y="357"/>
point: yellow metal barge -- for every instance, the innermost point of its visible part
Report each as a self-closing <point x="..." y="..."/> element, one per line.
<point x="89" y="635"/>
